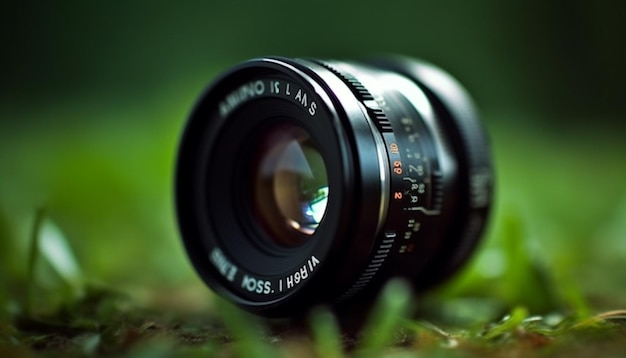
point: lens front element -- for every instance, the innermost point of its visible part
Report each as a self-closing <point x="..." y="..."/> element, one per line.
<point x="290" y="185"/>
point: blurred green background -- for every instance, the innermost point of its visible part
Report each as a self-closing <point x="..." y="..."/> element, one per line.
<point x="93" y="97"/>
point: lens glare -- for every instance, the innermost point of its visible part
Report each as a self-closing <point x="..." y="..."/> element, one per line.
<point x="290" y="184"/>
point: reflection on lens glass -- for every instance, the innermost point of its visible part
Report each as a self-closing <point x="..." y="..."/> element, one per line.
<point x="290" y="186"/>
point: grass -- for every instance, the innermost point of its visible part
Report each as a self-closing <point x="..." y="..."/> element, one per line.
<point x="92" y="265"/>
<point x="103" y="322"/>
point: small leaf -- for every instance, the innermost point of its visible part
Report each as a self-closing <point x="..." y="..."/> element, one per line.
<point x="55" y="248"/>
<point x="507" y="324"/>
<point x="48" y="244"/>
<point x="616" y="316"/>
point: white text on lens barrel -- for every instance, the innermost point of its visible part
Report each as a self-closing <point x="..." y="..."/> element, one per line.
<point x="298" y="94"/>
<point x="240" y="95"/>
<point x="299" y="276"/>
<point x="222" y="264"/>
<point x="257" y="88"/>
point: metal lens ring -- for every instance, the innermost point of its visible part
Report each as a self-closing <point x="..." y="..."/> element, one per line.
<point x="306" y="182"/>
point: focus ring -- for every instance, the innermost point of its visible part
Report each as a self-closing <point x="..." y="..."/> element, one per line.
<point x="384" y="244"/>
<point x="355" y="85"/>
<point x="359" y="90"/>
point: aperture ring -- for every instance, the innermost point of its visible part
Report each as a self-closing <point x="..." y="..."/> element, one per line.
<point x="384" y="245"/>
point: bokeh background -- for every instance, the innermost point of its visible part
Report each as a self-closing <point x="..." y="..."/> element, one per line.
<point x="94" y="95"/>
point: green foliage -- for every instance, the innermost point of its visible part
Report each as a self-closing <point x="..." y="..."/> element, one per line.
<point x="60" y="272"/>
<point x="391" y="307"/>
<point x="326" y="334"/>
<point x="246" y="331"/>
<point x="552" y="259"/>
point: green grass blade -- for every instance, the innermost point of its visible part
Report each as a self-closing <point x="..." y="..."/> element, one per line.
<point x="32" y="258"/>
<point x="56" y="250"/>
<point x="49" y="246"/>
<point x="390" y="308"/>
<point x="326" y="334"/>
<point x="246" y="331"/>
<point x="507" y="324"/>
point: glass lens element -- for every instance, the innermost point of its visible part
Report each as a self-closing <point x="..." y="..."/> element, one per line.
<point x="290" y="185"/>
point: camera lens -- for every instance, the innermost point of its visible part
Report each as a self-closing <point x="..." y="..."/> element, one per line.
<point x="290" y="184"/>
<point x="302" y="182"/>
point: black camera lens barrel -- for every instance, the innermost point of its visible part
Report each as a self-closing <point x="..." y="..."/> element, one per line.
<point x="302" y="182"/>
